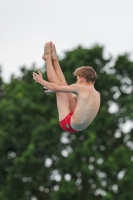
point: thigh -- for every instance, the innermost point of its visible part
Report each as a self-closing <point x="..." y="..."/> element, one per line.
<point x="72" y="101"/>
<point x="63" y="105"/>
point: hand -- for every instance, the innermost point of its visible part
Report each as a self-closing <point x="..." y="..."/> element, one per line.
<point x="37" y="77"/>
<point x="47" y="90"/>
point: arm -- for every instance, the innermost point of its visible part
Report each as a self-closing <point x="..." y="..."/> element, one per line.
<point x="54" y="87"/>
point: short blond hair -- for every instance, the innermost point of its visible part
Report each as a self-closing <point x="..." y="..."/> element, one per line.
<point x="86" y="72"/>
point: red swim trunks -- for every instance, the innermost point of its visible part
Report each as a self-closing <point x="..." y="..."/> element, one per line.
<point x="65" y="124"/>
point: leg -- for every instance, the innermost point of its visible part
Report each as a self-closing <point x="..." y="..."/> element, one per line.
<point x="56" y="65"/>
<point x="60" y="74"/>
<point x="63" y="103"/>
<point x="52" y="77"/>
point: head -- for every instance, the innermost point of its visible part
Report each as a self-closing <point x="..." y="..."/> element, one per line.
<point x="87" y="73"/>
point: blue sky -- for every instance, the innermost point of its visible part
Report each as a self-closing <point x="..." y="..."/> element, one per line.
<point x="26" y="25"/>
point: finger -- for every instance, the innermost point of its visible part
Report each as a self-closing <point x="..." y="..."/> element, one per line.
<point x="48" y="91"/>
<point x="39" y="73"/>
<point x="34" y="74"/>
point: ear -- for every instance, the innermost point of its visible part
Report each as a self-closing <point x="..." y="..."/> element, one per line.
<point x="82" y="79"/>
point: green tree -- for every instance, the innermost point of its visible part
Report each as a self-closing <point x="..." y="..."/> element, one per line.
<point x="38" y="159"/>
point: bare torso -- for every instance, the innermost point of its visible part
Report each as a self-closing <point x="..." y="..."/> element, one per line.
<point x="88" y="103"/>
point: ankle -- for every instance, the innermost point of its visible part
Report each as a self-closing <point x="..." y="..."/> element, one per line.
<point x="48" y="59"/>
<point x="55" y="59"/>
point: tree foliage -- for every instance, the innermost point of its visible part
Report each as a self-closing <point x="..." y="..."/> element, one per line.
<point x="40" y="161"/>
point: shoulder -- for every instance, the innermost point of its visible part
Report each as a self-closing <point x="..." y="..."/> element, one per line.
<point x="81" y="90"/>
<point x="77" y="87"/>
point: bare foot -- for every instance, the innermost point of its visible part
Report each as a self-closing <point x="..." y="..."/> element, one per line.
<point x="54" y="53"/>
<point x="47" y="51"/>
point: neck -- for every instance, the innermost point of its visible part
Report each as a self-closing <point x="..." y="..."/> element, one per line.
<point x="90" y="84"/>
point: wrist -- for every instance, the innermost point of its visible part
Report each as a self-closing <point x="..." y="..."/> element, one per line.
<point x="40" y="81"/>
